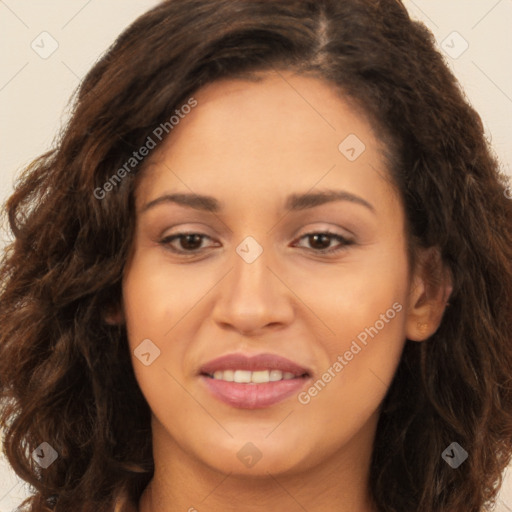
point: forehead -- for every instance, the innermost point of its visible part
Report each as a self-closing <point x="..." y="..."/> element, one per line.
<point x="264" y="138"/>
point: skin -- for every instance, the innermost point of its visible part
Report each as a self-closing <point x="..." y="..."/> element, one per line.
<point x="250" y="144"/>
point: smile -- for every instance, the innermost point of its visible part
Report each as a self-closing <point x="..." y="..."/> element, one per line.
<point x="256" y="377"/>
<point x="253" y="382"/>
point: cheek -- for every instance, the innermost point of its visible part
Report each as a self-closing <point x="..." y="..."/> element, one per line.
<point x="353" y="296"/>
<point x="155" y="300"/>
<point x="364" y="307"/>
<point x="160" y="303"/>
<point x="147" y="303"/>
<point x="155" y="297"/>
<point x="347" y="392"/>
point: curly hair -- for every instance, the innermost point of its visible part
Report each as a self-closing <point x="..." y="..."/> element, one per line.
<point x="66" y="375"/>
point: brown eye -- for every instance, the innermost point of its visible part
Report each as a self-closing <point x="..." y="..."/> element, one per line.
<point x="189" y="242"/>
<point x="320" y="242"/>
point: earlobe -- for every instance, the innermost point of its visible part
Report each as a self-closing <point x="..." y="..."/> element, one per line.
<point x="430" y="291"/>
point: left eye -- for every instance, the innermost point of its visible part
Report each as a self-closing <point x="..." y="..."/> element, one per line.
<point x="191" y="242"/>
<point x="323" y="236"/>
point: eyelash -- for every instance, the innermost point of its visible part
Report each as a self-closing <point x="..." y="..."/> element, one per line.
<point x="166" y="242"/>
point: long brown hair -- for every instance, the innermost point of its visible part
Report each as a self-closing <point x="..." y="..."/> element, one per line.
<point x="65" y="374"/>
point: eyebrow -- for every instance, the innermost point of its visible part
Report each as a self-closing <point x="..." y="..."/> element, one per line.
<point x="294" y="202"/>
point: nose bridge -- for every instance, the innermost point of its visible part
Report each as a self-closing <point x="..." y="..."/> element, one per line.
<point x="250" y="274"/>
<point x="252" y="297"/>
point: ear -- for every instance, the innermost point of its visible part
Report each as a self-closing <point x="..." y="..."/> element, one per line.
<point x="114" y="315"/>
<point x="430" y="290"/>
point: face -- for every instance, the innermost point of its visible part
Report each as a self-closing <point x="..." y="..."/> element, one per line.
<point x="275" y="321"/>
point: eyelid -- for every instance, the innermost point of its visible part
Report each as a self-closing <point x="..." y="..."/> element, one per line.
<point x="337" y="231"/>
<point x="347" y="234"/>
<point x="343" y="241"/>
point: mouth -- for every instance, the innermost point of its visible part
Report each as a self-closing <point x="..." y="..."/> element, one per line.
<point x="255" y="377"/>
<point x="253" y="382"/>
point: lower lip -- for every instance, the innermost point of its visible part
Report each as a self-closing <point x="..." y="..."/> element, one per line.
<point x="253" y="396"/>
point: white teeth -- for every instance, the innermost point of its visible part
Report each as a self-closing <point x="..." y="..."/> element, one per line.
<point x="260" y="377"/>
<point x="248" y="377"/>
<point x="229" y="375"/>
<point x="276" y="375"/>
<point x="242" y="376"/>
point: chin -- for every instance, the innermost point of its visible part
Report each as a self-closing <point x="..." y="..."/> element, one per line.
<point x="255" y="456"/>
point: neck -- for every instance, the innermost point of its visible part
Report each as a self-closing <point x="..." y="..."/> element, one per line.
<point x="182" y="483"/>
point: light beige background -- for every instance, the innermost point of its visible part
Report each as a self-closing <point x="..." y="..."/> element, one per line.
<point x="34" y="91"/>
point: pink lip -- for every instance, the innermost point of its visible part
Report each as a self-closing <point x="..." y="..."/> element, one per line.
<point x="254" y="396"/>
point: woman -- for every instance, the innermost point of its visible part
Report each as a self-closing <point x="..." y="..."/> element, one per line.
<point x="268" y="267"/>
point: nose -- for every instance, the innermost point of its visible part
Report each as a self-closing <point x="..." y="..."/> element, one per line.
<point x="254" y="297"/>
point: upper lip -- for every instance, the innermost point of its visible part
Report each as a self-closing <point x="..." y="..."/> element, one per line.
<point x="253" y="363"/>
